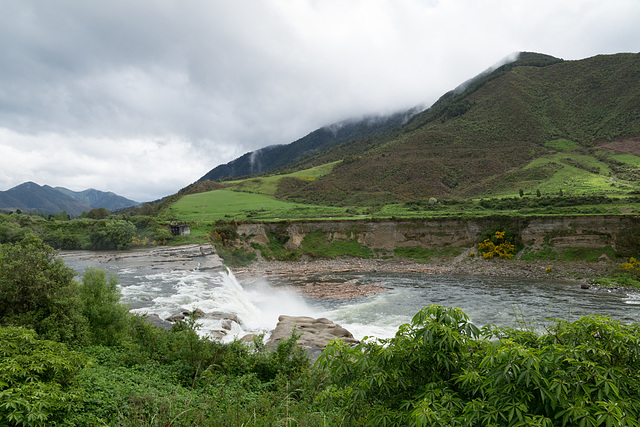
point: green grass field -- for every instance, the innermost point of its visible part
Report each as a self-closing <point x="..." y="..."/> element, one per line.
<point x="269" y="184"/>
<point x="229" y="205"/>
<point x="572" y="175"/>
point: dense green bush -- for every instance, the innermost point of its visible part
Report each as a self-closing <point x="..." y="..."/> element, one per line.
<point x="441" y="370"/>
<point x="38" y="290"/>
<point x="112" y="234"/>
<point x="38" y="384"/>
<point x="108" y="319"/>
<point x="319" y="244"/>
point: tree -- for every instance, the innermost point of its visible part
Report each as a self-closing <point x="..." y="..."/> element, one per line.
<point x="521" y="192"/>
<point x="60" y="216"/>
<point x="112" y="234"/>
<point x="9" y="229"/>
<point x="38" y="290"/>
<point x="97" y="213"/>
<point x="107" y="317"/>
<point x="538" y="193"/>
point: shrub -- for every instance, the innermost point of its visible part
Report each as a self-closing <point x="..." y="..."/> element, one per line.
<point x="112" y="234"/>
<point x="318" y="244"/>
<point x="107" y="317"/>
<point x="441" y="370"/>
<point x="38" y="291"/>
<point x="37" y="379"/>
<point x="497" y="246"/>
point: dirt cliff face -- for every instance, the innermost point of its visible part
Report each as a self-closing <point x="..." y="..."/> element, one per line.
<point x="583" y="232"/>
<point x="622" y="233"/>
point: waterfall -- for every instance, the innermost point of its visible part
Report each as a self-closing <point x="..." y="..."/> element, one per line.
<point x="257" y="308"/>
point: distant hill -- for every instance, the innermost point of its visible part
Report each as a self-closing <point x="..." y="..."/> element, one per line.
<point x="536" y="121"/>
<point x="31" y="197"/>
<point x="276" y="157"/>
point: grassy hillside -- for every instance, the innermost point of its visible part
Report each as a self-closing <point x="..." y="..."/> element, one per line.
<point x="502" y="134"/>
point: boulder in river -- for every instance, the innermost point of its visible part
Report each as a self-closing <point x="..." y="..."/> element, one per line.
<point x="315" y="334"/>
<point x="156" y="320"/>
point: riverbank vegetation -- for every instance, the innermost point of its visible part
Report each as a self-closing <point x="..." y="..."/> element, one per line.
<point x="71" y="354"/>
<point x="104" y="232"/>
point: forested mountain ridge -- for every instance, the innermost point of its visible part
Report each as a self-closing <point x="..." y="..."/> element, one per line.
<point x="274" y="157"/>
<point x="486" y="137"/>
<point x="31" y="197"/>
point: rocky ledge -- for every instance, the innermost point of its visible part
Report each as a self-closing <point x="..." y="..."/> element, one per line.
<point x="325" y="278"/>
<point x="185" y="257"/>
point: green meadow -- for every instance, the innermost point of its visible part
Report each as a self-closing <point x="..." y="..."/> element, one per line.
<point x="228" y="204"/>
<point x="578" y="184"/>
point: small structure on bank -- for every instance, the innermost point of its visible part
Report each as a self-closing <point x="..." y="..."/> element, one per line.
<point x="180" y="229"/>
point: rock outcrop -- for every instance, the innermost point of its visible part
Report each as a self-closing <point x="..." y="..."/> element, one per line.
<point x="594" y="231"/>
<point x="156" y="320"/>
<point x="185" y="257"/>
<point x="226" y="322"/>
<point x="315" y="334"/>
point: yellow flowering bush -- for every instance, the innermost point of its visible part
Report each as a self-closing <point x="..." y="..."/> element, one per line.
<point x="142" y="241"/>
<point x="497" y="247"/>
<point x="631" y="266"/>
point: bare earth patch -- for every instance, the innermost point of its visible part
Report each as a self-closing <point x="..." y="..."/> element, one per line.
<point x="628" y="146"/>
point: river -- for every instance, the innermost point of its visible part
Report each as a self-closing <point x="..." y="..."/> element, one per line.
<point x="509" y="302"/>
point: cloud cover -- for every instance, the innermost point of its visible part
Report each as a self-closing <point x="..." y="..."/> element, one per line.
<point x="144" y="97"/>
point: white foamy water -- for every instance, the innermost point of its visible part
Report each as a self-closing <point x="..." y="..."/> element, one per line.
<point x="167" y="293"/>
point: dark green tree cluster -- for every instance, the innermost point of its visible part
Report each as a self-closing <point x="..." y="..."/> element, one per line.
<point x="38" y="291"/>
<point x="95" y="230"/>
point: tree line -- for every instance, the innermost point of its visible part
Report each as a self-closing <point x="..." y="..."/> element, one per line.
<point x="98" y="229"/>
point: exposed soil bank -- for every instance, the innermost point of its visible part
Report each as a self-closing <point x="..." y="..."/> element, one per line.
<point x="384" y="236"/>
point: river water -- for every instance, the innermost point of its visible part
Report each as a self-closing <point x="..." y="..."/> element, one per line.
<point x="500" y="301"/>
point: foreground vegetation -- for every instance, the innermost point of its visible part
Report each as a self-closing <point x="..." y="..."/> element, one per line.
<point x="71" y="354"/>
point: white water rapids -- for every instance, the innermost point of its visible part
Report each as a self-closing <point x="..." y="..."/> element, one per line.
<point x="501" y="301"/>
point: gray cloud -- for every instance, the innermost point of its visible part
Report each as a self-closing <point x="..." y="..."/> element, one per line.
<point x="144" y="97"/>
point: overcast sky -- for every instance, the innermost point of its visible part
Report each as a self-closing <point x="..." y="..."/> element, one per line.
<point x="143" y="97"/>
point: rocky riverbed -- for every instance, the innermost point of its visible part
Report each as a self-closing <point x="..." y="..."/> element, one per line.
<point x="318" y="279"/>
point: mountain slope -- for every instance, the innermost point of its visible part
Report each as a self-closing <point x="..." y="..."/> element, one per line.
<point x="31" y="197"/>
<point x="472" y="141"/>
<point x="98" y="199"/>
<point x="274" y="157"/>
